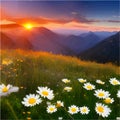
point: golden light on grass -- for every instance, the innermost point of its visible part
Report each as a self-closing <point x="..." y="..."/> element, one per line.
<point x="28" y="26"/>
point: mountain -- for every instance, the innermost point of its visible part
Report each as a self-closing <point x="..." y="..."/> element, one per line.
<point x="14" y="39"/>
<point x="101" y="34"/>
<point x="38" y="39"/>
<point x="105" y="51"/>
<point x="5" y="42"/>
<point x="80" y="43"/>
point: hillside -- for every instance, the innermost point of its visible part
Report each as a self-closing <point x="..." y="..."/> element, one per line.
<point x="28" y="70"/>
<point x="105" y="51"/>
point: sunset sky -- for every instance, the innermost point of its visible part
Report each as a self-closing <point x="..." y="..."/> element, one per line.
<point x="63" y="16"/>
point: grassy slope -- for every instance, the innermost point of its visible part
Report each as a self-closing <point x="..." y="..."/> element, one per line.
<point x="44" y="69"/>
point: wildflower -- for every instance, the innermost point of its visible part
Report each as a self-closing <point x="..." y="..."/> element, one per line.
<point x="28" y="112"/>
<point x="89" y="86"/>
<point x="6" y="90"/>
<point x="48" y="103"/>
<point x="7" y="62"/>
<point x="102" y="110"/>
<point x="100" y="82"/>
<point x="65" y="80"/>
<point x="60" y="118"/>
<point x="29" y="118"/>
<point x="84" y="110"/>
<point x="118" y="94"/>
<point x="109" y="100"/>
<point x="73" y="109"/>
<point x="51" y="109"/>
<point x="23" y="112"/>
<point x="81" y="80"/>
<point x="68" y="89"/>
<point x="114" y="81"/>
<point x="101" y="93"/>
<point x="46" y="92"/>
<point x="31" y="100"/>
<point x="59" y="104"/>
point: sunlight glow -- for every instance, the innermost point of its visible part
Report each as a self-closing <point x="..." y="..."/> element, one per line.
<point x="28" y="26"/>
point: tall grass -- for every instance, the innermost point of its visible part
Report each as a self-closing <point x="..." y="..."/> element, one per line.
<point x="32" y="69"/>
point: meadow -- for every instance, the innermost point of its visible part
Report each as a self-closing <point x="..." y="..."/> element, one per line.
<point x="29" y="70"/>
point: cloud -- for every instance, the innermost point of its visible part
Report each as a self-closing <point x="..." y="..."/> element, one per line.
<point x="113" y="21"/>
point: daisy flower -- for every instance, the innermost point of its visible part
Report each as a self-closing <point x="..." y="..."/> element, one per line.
<point x="60" y="118"/>
<point x="7" y="62"/>
<point x="68" y="89"/>
<point x="81" y="80"/>
<point x="31" y="100"/>
<point x="84" y="110"/>
<point x="51" y="109"/>
<point x="65" y="80"/>
<point x="89" y="86"/>
<point x="114" y="81"/>
<point x="59" y="104"/>
<point x="102" y="110"/>
<point x="108" y="100"/>
<point x="6" y="90"/>
<point x="101" y="93"/>
<point x="100" y="82"/>
<point x="73" y="109"/>
<point x="118" y="94"/>
<point x="45" y="92"/>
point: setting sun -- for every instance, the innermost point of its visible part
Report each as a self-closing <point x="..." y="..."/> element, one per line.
<point x="28" y="26"/>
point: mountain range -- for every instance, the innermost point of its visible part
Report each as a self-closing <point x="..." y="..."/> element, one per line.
<point x="105" y="51"/>
<point x="43" y="39"/>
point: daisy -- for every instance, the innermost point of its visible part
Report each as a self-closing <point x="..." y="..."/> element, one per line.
<point x="59" y="104"/>
<point x="100" y="82"/>
<point x="65" y="80"/>
<point x="81" y="80"/>
<point x="108" y="100"/>
<point x="60" y="118"/>
<point x="73" y="109"/>
<point x="89" y="86"/>
<point x="31" y="100"/>
<point x="114" y="81"/>
<point x="7" y="62"/>
<point x="101" y="93"/>
<point x="45" y="92"/>
<point x="102" y="110"/>
<point x="51" y="109"/>
<point x="6" y="90"/>
<point x="118" y="94"/>
<point x="84" y="110"/>
<point x="68" y="89"/>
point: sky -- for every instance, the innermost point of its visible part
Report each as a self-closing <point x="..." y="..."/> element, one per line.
<point x="63" y="16"/>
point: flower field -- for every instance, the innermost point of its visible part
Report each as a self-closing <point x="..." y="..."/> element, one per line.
<point x="43" y="86"/>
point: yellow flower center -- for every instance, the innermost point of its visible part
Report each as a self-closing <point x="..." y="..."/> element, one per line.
<point x="115" y="82"/>
<point x="45" y="93"/>
<point x="100" y="109"/>
<point x="84" y="110"/>
<point x="32" y="100"/>
<point x="107" y="100"/>
<point x="73" y="109"/>
<point x="5" y="89"/>
<point x="58" y="105"/>
<point x="51" y="109"/>
<point x="101" y="94"/>
<point x="89" y="87"/>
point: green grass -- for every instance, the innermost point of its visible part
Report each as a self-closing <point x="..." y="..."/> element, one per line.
<point x="32" y="69"/>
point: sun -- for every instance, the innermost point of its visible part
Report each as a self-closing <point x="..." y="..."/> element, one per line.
<point x="28" y="26"/>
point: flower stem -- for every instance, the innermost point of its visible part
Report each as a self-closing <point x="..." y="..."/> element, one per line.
<point x="68" y="114"/>
<point x="10" y="107"/>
